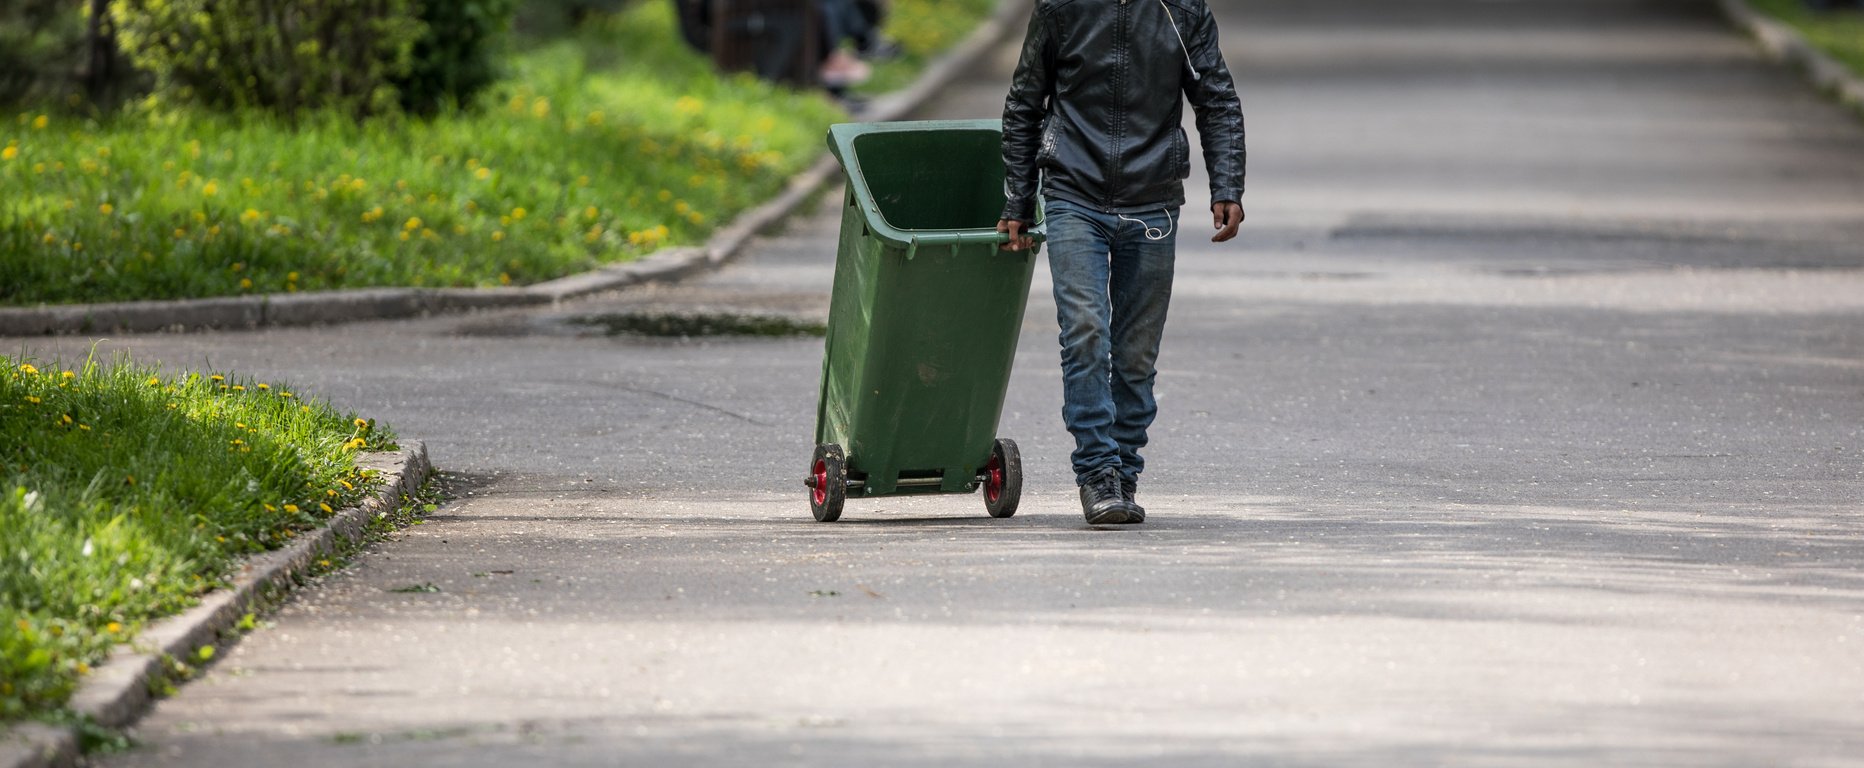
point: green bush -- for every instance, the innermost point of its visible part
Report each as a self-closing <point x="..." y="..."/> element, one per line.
<point x="286" y="57"/>
<point x="41" y="48"/>
<point x="453" y="60"/>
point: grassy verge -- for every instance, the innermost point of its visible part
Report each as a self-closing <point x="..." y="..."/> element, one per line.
<point x="596" y="150"/>
<point x="125" y="494"/>
<point x="924" y="29"/>
<point x="1838" y="33"/>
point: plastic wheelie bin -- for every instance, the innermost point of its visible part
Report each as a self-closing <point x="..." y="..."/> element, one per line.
<point x="923" y="320"/>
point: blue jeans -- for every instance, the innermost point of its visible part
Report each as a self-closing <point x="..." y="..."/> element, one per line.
<point x="1112" y="287"/>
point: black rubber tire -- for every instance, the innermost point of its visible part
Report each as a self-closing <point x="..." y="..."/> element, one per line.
<point x="829" y="468"/>
<point x="1003" y="478"/>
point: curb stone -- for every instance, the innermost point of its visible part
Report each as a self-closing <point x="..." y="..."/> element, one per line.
<point x="325" y="307"/>
<point x="1785" y="44"/>
<point x="116" y="694"/>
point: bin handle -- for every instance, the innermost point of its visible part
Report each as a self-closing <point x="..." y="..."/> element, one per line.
<point x="956" y="239"/>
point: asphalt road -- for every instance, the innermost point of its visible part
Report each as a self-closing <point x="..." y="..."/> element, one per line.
<point x="1523" y="426"/>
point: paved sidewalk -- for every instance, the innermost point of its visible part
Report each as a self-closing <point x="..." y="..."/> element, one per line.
<point x="1524" y="426"/>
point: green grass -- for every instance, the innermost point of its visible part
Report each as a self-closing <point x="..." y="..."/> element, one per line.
<point x="924" y="29"/>
<point x="1838" y="33"/>
<point x="595" y="150"/>
<point x="126" y="493"/>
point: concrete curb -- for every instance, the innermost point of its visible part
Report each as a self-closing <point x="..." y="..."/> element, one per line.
<point x="324" y="307"/>
<point x="117" y="692"/>
<point x="1785" y="44"/>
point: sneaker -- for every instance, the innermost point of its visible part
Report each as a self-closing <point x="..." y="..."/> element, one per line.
<point x="1101" y="501"/>
<point x="1127" y="488"/>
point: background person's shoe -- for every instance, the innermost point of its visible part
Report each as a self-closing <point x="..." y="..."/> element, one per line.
<point x="1101" y="502"/>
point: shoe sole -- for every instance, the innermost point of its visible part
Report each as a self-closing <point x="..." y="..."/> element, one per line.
<point x="1115" y="516"/>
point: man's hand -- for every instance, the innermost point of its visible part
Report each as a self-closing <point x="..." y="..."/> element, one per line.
<point x="1018" y="240"/>
<point x="1227" y="215"/>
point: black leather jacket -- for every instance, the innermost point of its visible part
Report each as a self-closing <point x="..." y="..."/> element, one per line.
<point x="1095" y="108"/>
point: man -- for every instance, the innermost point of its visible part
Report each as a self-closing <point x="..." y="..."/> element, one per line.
<point x="1092" y="125"/>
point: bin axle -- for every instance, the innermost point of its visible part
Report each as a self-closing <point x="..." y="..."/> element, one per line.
<point x="904" y="482"/>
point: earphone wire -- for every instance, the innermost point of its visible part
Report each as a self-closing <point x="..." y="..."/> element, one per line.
<point x="1181" y="46"/>
<point x="1153" y="233"/>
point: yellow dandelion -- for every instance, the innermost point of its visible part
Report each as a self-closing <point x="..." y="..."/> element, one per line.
<point x="325" y="507"/>
<point x="67" y="375"/>
<point x="154" y="381"/>
<point x="413" y="224"/>
<point x="9" y="153"/>
<point x="590" y="213"/>
<point x="360" y="423"/>
<point x="499" y="236"/>
<point x="518" y="214"/>
<point x="33" y="400"/>
<point x="268" y="507"/>
<point x="291" y="276"/>
<point x="263" y="386"/>
<point x="239" y="387"/>
<point x="504" y="278"/>
<point x="216" y="377"/>
<point x="39" y="123"/>
<point x="405" y="236"/>
<point x="482" y="174"/>
<point x="210" y="189"/>
<point x="291" y="508"/>
<point x="85" y="427"/>
<point x="249" y="216"/>
<point x="245" y="283"/>
<point x="26" y="368"/>
<point x="113" y="627"/>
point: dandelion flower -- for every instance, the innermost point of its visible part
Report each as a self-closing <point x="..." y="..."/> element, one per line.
<point x="482" y="174"/>
<point x="9" y="153"/>
<point x="413" y="224"/>
<point x="291" y="508"/>
<point x="249" y="216"/>
<point x="518" y="214"/>
<point x="210" y="189"/>
<point x="499" y="236"/>
<point x="26" y="368"/>
<point x="40" y="122"/>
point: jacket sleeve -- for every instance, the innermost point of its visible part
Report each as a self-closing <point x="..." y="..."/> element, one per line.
<point x="1023" y="113"/>
<point x="1219" y="113"/>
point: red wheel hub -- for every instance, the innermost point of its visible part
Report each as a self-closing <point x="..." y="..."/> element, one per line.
<point x="820" y="493"/>
<point x="993" y="480"/>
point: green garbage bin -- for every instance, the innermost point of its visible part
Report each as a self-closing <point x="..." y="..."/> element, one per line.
<point x="923" y="319"/>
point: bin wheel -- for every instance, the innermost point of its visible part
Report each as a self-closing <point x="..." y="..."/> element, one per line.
<point x="1003" y="478"/>
<point x="828" y="482"/>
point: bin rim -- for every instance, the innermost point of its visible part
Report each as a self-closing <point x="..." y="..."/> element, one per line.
<point x="841" y="138"/>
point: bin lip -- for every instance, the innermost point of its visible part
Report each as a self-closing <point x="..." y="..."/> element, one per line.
<point x="841" y="138"/>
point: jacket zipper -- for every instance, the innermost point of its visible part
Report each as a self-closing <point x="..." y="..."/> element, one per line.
<point x="1117" y="156"/>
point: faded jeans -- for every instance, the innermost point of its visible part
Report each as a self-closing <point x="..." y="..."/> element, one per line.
<point x="1112" y="287"/>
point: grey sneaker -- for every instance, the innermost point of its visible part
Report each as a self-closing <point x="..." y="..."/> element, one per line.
<point x="1127" y="488"/>
<point x="1102" y="503"/>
